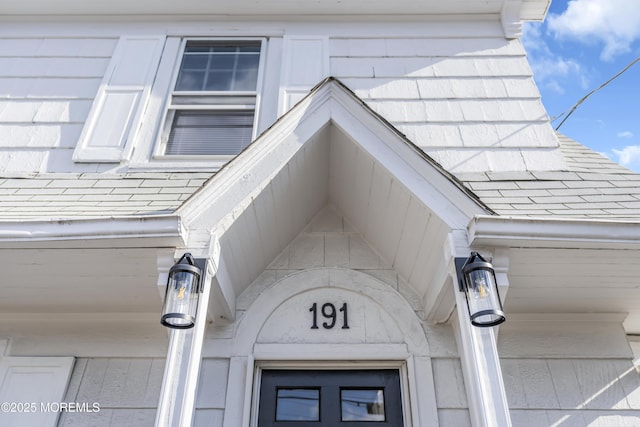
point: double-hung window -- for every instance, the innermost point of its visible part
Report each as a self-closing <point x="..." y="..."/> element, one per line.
<point x="212" y="108"/>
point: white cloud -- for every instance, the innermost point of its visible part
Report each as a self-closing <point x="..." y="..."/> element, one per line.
<point x="629" y="157"/>
<point x="625" y="134"/>
<point x="615" y="23"/>
<point x="550" y="70"/>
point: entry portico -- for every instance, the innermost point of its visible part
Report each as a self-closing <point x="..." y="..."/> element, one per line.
<point x="328" y="210"/>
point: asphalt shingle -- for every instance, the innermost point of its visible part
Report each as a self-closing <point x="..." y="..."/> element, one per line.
<point x="593" y="186"/>
<point x="91" y="195"/>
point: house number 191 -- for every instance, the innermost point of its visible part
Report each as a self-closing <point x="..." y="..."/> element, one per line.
<point x="328" y="311"/>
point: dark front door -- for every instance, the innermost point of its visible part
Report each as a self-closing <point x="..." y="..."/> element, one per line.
<point x="331" y="398"/>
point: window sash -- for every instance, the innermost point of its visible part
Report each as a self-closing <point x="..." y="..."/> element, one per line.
<point x="219" y="66"/>
<point x="217" y="122"/>
<point x="209" y="132"/>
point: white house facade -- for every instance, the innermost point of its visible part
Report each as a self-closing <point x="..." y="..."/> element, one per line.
<point x="330" y="167"/>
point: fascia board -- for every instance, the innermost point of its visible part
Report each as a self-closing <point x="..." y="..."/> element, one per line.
<point x="149" y="231"/>
<point x="527" y="232"/>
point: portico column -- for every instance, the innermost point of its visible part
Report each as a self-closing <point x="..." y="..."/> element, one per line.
<point x="176" y="405"/>
<point x="486" y="395"/>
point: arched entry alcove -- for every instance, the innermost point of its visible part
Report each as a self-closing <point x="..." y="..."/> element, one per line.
<point x="335" y="318"/>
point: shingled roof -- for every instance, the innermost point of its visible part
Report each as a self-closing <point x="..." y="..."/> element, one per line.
<point x="95" y="195"/>
<point x="592" y="187"/>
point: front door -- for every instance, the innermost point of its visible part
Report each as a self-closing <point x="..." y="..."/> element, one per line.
<point x="330" y="398"/>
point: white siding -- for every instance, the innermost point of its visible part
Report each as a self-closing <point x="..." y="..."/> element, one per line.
<point x="461" y="91"/>
<point x="212" y="388"/>
<point x="581" y="392"/>
<point x="572" y="370"/>
<point x="470" y="103"/>
<point x="127" y="391"/>
<point x="47" y="86"/>
<point x="451" y="395"/>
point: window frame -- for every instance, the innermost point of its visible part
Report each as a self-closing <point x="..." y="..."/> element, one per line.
<point x="170" y="108"/>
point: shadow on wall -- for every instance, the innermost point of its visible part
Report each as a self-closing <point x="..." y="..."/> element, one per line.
<point x="572" y="392"/>
<point x="460" y="98"/>
<point x="47" y="87"/>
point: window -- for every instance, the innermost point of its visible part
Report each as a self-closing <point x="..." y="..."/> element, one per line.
<point x="362" y="404"/>
<point x="297" y="404"/>
<point x="212" y="108"/>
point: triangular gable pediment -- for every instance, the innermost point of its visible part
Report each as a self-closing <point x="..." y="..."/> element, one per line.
<point x="330" y="149"/>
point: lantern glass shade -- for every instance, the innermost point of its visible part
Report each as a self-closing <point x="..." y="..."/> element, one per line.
<point x="481" y="291"/>
<point x="182" y="294"/>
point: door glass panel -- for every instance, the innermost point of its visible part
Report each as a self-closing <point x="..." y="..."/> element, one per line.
<point x="297" y="404"/>
<point x="362" y="405"/>
<point x="330" y="398"/>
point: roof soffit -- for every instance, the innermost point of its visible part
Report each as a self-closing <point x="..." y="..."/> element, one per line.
<point x="530" y="9"/>
<point x="567" y="265"/>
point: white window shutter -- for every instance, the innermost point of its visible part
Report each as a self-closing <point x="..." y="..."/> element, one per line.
<point x="120" y="102"/>
<point x="305" y="64"/>
<point x="28" y="382"/>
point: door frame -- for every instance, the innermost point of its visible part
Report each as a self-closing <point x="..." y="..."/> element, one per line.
<point x="403" y="362"/>
<point x="249" y="349"/>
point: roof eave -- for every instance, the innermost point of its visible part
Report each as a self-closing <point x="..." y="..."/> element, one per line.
<point x="139" y="231"/>
<point x="509" y="231"/>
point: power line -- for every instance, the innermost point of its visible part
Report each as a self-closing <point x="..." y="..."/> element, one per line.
<point x="594" y="91"/>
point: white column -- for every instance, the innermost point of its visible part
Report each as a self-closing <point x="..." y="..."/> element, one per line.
<point x="194" y="358"/>
<point x="182" y="368"/>
<point x="481" y="368"/>
<point x="173" y="384"/>
<point x="486" y="395"/>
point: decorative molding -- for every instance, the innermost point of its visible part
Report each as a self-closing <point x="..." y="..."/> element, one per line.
<point x="165" y="260"/>
<point x="84" y="334"/>
<point x="290" y="353"/>
<point x="510" y="19"/>
<point x="567" y="317"/>
<point x="222" y="304"/>
<point x="500" y="262"/>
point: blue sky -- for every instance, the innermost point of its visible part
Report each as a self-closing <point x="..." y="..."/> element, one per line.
<point x="580" y="45"/>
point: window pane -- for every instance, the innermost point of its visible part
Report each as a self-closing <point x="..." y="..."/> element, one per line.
<point x="209" y="132"/>
<point x="218" y="80"/>
<point x="297" y="404"/>
<point x="362" y="405"/>
<point x="212" y="66"/>
<point x="191" y="80"/>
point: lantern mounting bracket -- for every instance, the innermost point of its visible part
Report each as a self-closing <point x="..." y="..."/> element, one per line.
<point x="459" y="261"/>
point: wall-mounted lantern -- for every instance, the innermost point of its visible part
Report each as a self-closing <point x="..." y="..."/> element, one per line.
<point x="181" y="296"/>
<point x="478" y="282"/>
